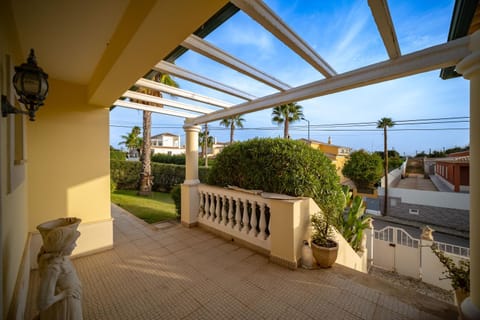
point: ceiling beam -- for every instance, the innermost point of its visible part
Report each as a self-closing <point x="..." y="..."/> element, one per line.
<point x="166" y="102"/>
<point x="140" y="106"/>
<point x="205" y="48"/>
<point x="420" y="61"/>
<point x="182" y="93"/>
<point x="170" y="68"/>
<point x="385" y="26"/>
<point x="261" y="13"/>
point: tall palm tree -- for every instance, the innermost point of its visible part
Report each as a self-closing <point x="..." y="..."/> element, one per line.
<point x="385" y="123"/>
<point x="286" y="114"/>
<point x="232" y="123"/>
<point x="132" y="140"/>
<point x="205" y="141"/>
<point x="146" y="178"/>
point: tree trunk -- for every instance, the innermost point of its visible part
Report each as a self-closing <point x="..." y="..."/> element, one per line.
<point x="146" y="178"/>
<point x="385" y="154"/>
<point x="206" y="145"/>
<point x="285" y="128"/>
<point x="232" y="128"/>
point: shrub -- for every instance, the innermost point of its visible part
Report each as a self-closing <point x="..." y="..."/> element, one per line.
<point x="176" y="194"/>
<point x="165" y="158"/>
<point x="280" y="166"/>
<point x="365" y="169"/>
<point x="117" y="154"/>
<point x="113" y="186"/>
<point x="126" y="174"/>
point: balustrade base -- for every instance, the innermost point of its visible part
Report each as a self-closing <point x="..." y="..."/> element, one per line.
<point x="285" y="263"/>
<point x="190" y="225"/>
<point x="234" y="239"/>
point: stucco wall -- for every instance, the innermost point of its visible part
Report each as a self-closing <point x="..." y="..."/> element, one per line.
<point x="13" y="209"/>
<point x="68" y="155"/>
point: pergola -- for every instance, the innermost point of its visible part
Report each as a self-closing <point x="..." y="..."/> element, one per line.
<point x="462" y="50"/>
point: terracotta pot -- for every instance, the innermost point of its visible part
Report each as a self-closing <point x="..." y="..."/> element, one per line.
<point x="325" y="257"/>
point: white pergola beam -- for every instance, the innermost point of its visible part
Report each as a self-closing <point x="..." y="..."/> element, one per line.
<point x="385" y="26"/>
<point x="170" y="68"/>
<point x="261" y="13"/>
<point x="140" y="106"/>
<point x="436" y="57"/>
<point x="165" y="102"/>
<point x="205" y="48"/>
<point x="150" y="84"/>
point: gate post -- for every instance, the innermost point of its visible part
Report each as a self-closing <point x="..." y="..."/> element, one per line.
<point x="369" y="232"/>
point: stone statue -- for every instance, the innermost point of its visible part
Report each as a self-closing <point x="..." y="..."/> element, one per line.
<point x="60" y="292"/>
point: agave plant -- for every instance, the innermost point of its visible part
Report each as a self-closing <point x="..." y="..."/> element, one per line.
<point x="353" y="222"/>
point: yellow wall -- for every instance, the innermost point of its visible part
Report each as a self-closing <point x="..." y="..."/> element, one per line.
<point x="68" y="152"/>
<point x="13" y="210"/>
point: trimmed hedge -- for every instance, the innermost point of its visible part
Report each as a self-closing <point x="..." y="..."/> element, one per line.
<point x="165" y="158"/>
<point x="126" y="175"/>
<point x="280" y="166"/>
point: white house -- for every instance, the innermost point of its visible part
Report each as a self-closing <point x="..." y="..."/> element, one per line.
<point x="167" y="143"/>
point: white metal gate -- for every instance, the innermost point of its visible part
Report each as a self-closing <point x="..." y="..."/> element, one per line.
<point x="396" y="250"/>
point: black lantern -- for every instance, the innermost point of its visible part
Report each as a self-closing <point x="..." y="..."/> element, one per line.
<point x="31" y="85"/>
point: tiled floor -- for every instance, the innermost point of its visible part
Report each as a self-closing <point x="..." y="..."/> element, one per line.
<point x="180" y="273"/>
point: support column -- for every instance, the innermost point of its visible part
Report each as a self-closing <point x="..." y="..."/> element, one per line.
<point x="190" y="198"/>
<point x="469" y="67"/>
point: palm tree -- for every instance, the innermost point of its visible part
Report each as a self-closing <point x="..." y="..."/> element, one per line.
<point x="232" y="122"/>
<point x="146" y="178"/>
<point x="205" y="141"/>
<point x="132" y="140"/>
<point x="286" y="114"/>
<point x="385" y="123"/>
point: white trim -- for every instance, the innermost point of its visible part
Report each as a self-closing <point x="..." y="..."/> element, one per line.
<point x="261" y="13"/>
<point x="436" y="57"/>
<point x="165" y="102"/>
<point x="139" y="106"/>
<point x="182" y="93"/>
<point x="385" y="26"/>
<point x="205" y="48"/>
<point x="170" y="68"/>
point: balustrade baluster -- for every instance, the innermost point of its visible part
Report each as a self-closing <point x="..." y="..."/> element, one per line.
<point x="245" y="219"/>
<point x="207" y="206"/>
<point x="218" y="216"/>
<point x="238" y="216"/>
<point x="230" y="212"/>
<point x="201" y="211"/>
<point x="224" y="211"/>
<point x="212" y="207"/>
<point x="253" y="220"/>
<point x="262" y="223"/>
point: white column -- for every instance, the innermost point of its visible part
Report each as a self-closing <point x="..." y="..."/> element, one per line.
<point x="469" y="67"/>
<point x="191" y="154"/>
<point x="190" y="197"/>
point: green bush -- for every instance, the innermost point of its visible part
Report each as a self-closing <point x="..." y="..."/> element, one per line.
<point x="365" y="169"/>
<point x="280" y="166"/>
<point x="176" y="194"/>
<point x="113" y="186"/>
<point x="117" y="154"/>
<point x="126" y="174"/>
<point x="165" y="158"/>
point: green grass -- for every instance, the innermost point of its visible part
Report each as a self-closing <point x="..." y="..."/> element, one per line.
<point x="155" y="208"/>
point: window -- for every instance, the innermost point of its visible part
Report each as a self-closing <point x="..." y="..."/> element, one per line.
<point x="414" y="211"/>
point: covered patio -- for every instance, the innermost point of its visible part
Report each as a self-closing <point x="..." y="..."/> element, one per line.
<point x="179" y="273"/>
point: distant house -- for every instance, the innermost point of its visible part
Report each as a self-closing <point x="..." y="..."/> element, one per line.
<point x="337" y="154"/>
<point x="454" y="171"/>
<point x="166" y="143"/>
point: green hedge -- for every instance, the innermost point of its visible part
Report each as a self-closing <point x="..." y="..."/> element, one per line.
<point x="279" y="166"/>
<point x="165" y="158"/>
<point x="126" y="175"/>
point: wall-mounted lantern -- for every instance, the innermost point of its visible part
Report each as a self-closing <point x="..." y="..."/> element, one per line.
<point x="31" y="85"/>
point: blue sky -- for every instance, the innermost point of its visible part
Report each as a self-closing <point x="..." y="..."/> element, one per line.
<point x="345" y="35"/>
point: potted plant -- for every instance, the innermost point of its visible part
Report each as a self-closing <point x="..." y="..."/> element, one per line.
<point x="324" y="246"/>
<point x="459" y="275"/>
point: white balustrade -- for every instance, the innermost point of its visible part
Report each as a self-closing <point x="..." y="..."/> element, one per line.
<point x="240" y="214"/>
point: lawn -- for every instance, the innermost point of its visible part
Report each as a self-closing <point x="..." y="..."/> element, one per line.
<point x="155" y="208"/>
